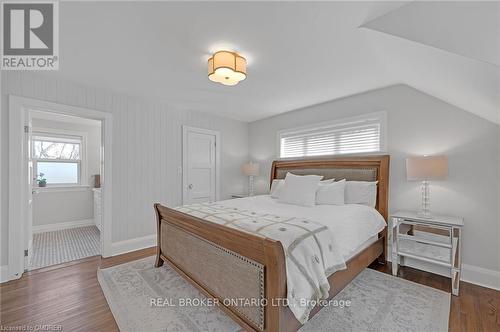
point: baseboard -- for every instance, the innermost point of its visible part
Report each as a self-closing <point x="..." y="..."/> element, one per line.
<point x="63" y="225"/>
<point x="481" y="276"/>
<point x="470" y="273"/>
<point x="4" y="273"/>
<point x="122" y="247"/>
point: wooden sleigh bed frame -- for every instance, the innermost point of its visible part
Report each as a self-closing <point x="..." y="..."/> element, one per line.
<point x="226" y="263"/>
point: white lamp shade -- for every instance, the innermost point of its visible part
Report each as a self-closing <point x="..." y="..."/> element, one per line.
<point x="250" y="169"/>
<point x="427" y="168"/>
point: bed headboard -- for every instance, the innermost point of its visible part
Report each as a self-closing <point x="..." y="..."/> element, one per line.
<point x="359" y="168"/>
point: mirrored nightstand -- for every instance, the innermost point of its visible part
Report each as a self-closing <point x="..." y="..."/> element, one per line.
<point x="435" y="240"/>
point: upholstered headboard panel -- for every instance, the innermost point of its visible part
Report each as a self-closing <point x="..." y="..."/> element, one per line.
<point x="366" y="168"/>
<point x="350" y="174"/>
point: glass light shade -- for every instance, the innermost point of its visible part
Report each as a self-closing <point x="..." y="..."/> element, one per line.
<point x="226" y="80"/>
<point x="227" y="68"/>
<point x="427" y="168"/>
<point x="224" y="71"/>
<point x="229" y="82"/>
<point x="214" y="78"/>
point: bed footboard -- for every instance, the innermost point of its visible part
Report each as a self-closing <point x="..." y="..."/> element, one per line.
<point x="243" y="272"/>
<point x="222" y="271"/>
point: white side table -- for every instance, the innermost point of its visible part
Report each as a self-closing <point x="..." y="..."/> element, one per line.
<point x="435" y="240"/>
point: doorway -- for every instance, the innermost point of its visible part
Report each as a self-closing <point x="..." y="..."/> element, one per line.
<point x="54" y="169"/>
<point x="64" y="162"/>
<point x="200" y="163"/>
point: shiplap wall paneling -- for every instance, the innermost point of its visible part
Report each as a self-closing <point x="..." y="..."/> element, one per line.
<point x="147" y="149"/>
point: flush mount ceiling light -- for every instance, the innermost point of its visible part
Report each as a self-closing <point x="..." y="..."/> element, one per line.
<point x="228" y="68"/>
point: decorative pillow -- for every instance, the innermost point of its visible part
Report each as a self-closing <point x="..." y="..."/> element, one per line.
<point x="361" y="192"/>
<point x="299" y="189"/>
<point x="278" y="184"/>
<point x="331" y="193"/>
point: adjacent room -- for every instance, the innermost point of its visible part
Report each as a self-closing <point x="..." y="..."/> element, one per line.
<point x="250" y="166"/>
<point x="66" y="198"/>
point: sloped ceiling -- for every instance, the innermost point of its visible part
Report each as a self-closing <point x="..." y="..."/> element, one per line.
<point x="450" y="50"/>
<point x="465" y="28"/>
<point x="299" y="53"/>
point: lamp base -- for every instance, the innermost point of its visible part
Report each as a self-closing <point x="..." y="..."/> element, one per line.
<point x="250" y="186"/>
<point x="425" y="208"/>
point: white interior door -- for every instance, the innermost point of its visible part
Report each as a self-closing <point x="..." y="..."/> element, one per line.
<point x="199" y="165"/>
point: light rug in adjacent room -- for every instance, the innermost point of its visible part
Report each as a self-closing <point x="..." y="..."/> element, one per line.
<point x="50" y="248"/>
<point x="379" y="302"/>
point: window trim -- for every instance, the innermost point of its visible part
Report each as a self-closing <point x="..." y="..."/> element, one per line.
<point x="82" y="163"/>
<point x="381" y="116"/>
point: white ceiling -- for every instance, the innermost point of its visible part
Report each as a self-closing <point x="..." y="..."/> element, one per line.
<point x="298" y="53"/>
<point x="466" y="28"/>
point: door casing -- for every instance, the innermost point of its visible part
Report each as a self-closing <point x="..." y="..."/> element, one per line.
<point x="18" y="111"/>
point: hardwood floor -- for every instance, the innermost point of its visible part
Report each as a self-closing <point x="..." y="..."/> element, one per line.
<point x="69" y="296"/>
<point x="66" y="295"/>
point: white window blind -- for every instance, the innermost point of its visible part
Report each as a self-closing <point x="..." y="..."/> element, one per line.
<point x="360" y="136"/>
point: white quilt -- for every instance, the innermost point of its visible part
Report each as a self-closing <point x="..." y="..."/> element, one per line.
<point x="351" y="224"/>
<point x="311" y="252"/>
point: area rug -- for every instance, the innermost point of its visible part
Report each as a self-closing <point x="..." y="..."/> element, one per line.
<point x="144" y="298"/>
<point x="50" y="248"/>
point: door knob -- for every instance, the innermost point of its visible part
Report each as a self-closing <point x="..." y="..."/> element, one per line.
<point x="190" y="186"/>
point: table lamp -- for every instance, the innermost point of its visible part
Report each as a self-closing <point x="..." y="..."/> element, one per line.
<point x="425" y="169"/>
<point x="250" y="169"/>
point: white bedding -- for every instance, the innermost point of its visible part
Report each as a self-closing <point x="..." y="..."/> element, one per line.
<point x="352" y="225"/>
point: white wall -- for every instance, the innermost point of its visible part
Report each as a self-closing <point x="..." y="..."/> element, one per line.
<point x="52" y="207"/>
<point x="418" y="124"/>
<point x="146" y="149"/>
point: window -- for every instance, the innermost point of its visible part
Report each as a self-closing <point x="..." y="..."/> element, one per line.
<point x="58" y="157"/>
<point x="362" y="134"/>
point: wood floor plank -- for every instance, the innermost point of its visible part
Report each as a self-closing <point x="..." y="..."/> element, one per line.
<point x="69" y="295"/>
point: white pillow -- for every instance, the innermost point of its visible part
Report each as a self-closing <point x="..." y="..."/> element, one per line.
<point x="277" y="185"/>
<point x="299" y="189"/>
<point x="331" y="193"/>
<point x="361" y="192"/>
<point x="276" y="188"/>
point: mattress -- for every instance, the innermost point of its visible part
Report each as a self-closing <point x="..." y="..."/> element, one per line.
<point x="361" y="247"/>
<point x="353" y="226"/>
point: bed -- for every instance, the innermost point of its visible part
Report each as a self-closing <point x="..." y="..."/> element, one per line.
<point x="231" y="265"/>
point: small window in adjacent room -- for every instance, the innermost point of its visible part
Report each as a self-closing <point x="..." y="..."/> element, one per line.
<point x="58" y="157"/>
<point x="362" y="134"/>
